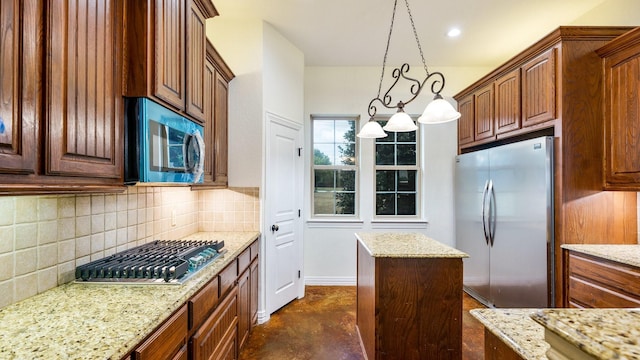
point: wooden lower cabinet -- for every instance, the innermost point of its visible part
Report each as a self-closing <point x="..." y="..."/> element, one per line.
<point x="168" y="342"/>
<point x="253" y="292"/>
<point x="409" y="308"/>
<point x="215" y="322"/>
<point x="244" y="318"/>
<point x="496" y="349"/>
<point x="217" y="338"/>
<point x="595" y="282"/>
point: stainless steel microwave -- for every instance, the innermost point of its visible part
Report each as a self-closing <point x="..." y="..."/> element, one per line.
<point x="161" y="146"/>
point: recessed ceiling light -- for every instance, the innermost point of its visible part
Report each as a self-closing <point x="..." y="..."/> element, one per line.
<point x="454" y="32"/>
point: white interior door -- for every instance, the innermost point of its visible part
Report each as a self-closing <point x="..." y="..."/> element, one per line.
<point x="283" y="222"/>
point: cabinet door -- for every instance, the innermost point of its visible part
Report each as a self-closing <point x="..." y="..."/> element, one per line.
<point x="169" y="79"/>
<point x="484" y="113"/>
<point x="622" y="119"/>
<point x="196" y="54"/>
<point x="220" y="129"/>
<point x="244" y="303"/>
<point x="84" y="106"/>
<point x="168" y="341"/>
<point x="466" y="123"/>
<point x="217" y="337"/>
<point x="539" y="89"/>
<point x="209" y="90"/>
<point x="599" y="283"/>
<point x="507" y="105"/>
<point x="20" y="101"/>
<point x="253" y="296"/>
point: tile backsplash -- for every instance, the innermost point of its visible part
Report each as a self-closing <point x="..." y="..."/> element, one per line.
<point x="43" y="238"/>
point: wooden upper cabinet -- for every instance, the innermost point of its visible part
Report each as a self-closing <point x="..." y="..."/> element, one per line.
<point x="217" y="76"/>
<point x="466" y="122"/>
<point x="220" y="135"/>
<point x="165" y="45"/>
<point x="484" y="113"/>
<point x="507" y="102"/>
<point x="539" y="89"/>
<point x="20" y="71"/>
<point x="196" y="54"/>
<point x="622" y="112"/>
<point x="169" y="55"/>
<point x="83" y="110"/>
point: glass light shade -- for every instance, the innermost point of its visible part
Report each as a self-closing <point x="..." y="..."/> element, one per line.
<point x="438" y="111"/>
<point x="371" y="130"/>
<point x="400" y="122"/>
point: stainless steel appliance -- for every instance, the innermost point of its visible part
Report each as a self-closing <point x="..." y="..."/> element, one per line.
<point x="504" y="221"/>
<point x="161" y="146"/>
<point x="157" y="262"/>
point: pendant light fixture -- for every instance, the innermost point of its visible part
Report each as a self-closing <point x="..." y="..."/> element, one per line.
<point x="437" y="111"/>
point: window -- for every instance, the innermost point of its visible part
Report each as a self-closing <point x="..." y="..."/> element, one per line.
<point x="397" y="174"/>
<point x="334" y="166"/>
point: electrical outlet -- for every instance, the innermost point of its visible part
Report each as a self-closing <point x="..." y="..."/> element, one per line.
<point x="173" y="218"/>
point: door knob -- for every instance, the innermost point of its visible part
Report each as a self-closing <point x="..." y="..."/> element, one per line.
<point x="275" y="228"/>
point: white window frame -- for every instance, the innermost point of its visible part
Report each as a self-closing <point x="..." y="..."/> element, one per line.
<point x="417" y="167"/>
<point x="356" y="168"/>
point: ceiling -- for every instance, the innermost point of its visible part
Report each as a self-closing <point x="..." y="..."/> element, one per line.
<point x="354" y="32"/>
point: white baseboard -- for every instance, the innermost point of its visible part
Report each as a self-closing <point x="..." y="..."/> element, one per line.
<point x="330" y="280"/>
<point x="263" y="317"/>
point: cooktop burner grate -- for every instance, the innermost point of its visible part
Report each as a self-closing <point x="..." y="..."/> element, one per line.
<point x="160" y="261"/>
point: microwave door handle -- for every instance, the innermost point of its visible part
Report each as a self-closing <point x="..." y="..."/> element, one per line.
<point x="199" y="168"/>
<point x="194" y="145"/>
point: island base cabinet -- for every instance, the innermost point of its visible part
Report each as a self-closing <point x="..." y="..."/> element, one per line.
<point x="217" y="338"/>
<point x="496" y="349"/>
<point x="409" y="308"/>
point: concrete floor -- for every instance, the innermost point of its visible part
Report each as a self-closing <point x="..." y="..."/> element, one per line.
<point x="321" y="326"/>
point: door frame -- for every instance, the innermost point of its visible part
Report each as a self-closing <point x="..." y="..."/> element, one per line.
<point x="270" y="118"/>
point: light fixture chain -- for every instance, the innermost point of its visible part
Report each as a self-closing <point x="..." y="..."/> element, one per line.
<point x="415" y="33"/>
<point x="386" y="50"/>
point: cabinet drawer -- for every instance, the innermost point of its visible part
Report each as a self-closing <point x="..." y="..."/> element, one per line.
<point x="596" y="282"/>
<point x="244" y="260"/>
<point x="587" y="294"/>
<point x="228" y="277"/>
<point x="167" y="340"/>
<point x="203" y="303"/>
<point x="255" y="249"/>
<point x="211" y="340"/>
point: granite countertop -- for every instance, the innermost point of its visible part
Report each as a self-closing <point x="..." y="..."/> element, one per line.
<point x="406" y="245"/>
<point x="102" y="321"/>
<point x="603" y="333"/>
<point x="516" y="329"/>
<point x="626" y="254"/>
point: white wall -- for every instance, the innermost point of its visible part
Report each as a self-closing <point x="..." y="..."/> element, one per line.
<point x="283" y="88"/>
<point x="330" y="250"/>
<point x="240" y="43"/>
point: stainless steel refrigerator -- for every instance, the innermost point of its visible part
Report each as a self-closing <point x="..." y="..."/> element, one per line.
<point x="504" y="221"/>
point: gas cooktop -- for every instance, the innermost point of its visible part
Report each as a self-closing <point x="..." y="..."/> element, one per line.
<point x="157" y="262"/>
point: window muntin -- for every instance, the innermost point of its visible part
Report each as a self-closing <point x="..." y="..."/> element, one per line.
<point x="334" y="168"/>
<point x="397" y="175"/>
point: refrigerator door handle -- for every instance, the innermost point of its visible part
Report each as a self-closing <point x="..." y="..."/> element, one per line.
<point x="484" y="212"/>
<point x="492" y="212"/>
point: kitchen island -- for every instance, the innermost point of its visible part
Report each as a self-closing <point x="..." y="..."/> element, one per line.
<point x="534" y="334"/>
<point x="409" y="297"/>
<point x="103" y="321"/>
